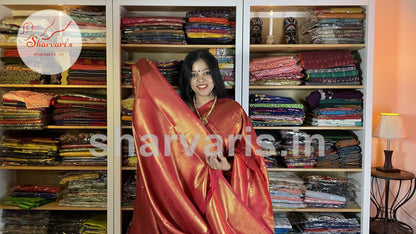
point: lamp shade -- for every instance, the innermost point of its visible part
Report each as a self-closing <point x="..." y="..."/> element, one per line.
<point x="389" y="126"/>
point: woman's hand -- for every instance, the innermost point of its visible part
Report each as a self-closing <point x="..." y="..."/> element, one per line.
<point x="218" y="162"/>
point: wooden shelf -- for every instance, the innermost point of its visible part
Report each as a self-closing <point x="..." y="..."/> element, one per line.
<point x="312" y="209"/>
<point x="268" y="87"/>
<point x="310" y="128"/>
<point x="53" y="86"/>
<point x="53" y="206"/>
<point x="302" y="47"/>
<point x="74" y="127"/>
<point x="163" y="48"/>
<point x="55" y="168"/>
<point x="86" y="46"/>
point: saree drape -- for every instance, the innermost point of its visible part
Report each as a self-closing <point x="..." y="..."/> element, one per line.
<point x="177" y="192"/>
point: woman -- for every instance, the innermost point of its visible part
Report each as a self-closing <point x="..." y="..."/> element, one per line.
<point x="198" y="172"/>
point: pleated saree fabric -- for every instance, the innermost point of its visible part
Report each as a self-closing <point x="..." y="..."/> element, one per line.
<point x="177" y="192"/>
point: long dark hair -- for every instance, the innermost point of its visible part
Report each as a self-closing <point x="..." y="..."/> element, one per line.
<point x="187" y="93"/>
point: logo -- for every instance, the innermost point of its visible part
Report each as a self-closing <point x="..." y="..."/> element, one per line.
<point x="49" y="42"/>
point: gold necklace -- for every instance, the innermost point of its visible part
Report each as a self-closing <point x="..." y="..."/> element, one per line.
<point x="204" y="120"/>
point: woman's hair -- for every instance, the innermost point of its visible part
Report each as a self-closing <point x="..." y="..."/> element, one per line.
<point x="187" y="93"/>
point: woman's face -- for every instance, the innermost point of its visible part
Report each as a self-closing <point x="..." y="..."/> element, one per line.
<point x="201" y="80"/>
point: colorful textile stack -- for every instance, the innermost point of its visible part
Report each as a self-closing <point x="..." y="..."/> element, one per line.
<point x="336" y="107"/>
<point x="84" y="188"/>
<point x="225" y="57"/>
<point x="267" y="110"/>
<point x="23" y="109"/>
<point x="326" y="222"/>
<point x="329" y="192"/>
<point x="30" y="196"/>
<point x="152" y="30"/>
<point x="281" y="223"/>
<point x="278" y="70"/>
<point x="269" y="143"/>
<point x="126" y="73"/>
<point x="14" y="71"/>
<point x="81" y="110"/>
<point x="96" y="224"/>
<point x="89" y="69"/>
<point x="330" y="67"/>
<point x="77" y="149"/>
<point x="68" y="221"/>
<point x="91" y="22"/>
<point x="127" y="110"/>
<point x="286" y="190"/>
<point x="210" y="26"/>
<point x="334" y="25"/>
<point x="342" y="149"/>
<point x="170" y="70"/>
<point x="25" y="221"/>
<point x="296" y="149"/>
<point x="20" y="148"/>
<point x="9" y="27"/>
<point x="129" y="191"/>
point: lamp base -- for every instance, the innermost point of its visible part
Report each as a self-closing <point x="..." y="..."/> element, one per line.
<point x="388" y="170"/>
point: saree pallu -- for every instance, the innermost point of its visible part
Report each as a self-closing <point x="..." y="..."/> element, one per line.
<point x="177" y="192"/>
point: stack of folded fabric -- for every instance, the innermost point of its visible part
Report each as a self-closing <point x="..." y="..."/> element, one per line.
<point x="23" y="109"/>
<point x="89" y="69"/>
<point x="326" y="222"/>
<point x="152" y="30"/>
<point x="68" y="222"/>
<point x="30" y="196"/>
<point x="334" y="25"/>
<point x="296" y="150"/>
<point x="18" y="148"/>
<point x="96" y="224"/>
<point x="269" y="145"/>
<point x="9" y="27"/>
<point x="127" y="110"/>
<point x="126" y="73"/>
<point x="129" y="191"/>
<point x="170" y="70"/>
<point x="225" y="57"/>
<point x="80" y="109"/>
<point x="268" y="110"/>
<point x="329" y="191"/>
<point x="84" y="188"/>
<point x="349" y="152"/>
<point x="286" y="190"/>
<point x="281" y="223"/>
<point x="77" y="149"/>
<point x="210" y="26"/>
<point x="91" y="22"/>
<point x="14" y="71"/>
<point x="330" y="67"/>
<point x="25" y="221"/>
<point x="336" y="107"/>
<point x="277" y="70"/>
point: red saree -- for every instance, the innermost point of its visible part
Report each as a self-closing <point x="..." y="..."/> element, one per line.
<point x="177" y="192"/>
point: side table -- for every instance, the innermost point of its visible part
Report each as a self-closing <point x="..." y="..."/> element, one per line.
<point x="388" y="202"/>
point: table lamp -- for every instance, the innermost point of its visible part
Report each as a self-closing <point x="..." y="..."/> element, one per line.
<point x="389" y="126"/>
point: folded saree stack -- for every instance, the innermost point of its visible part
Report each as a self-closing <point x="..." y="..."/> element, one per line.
<point x="281" y="223"/>
<point x="89" y="69"/>
<point x="96" y="224"/>
<point x="225" y="57"/>
<point x="91" y="22"/>
<point x="286" y="190"/>
<point x="129" y="191"/>
<point x="26" y="110"/>
<point x="9" y="27"/>
<point x="84" y="188"/>
<point x="152" y="30"/>
<point x="331" y="67"/>
<point x="30" y="196"/>
<point x="210" y="26"/>
<point x="76" y="149"/>
<point x="335" y="107"/>
<point x="25" y="221"/>
<point x="334" y="25"/>
<point x="276" y="70"/>
<point x="329" y="191"/>
<point x="14" y="71"/>
<point x="268" y="110"/>
<point x="325" y="222"/>
<point x="81" y="110"/>
<point x="18" y="148"/>
<point x="296" y="150"/>
<point x="170" y="70"/>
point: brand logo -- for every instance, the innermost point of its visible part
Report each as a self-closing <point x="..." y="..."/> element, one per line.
<point x="49" y="42"/>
